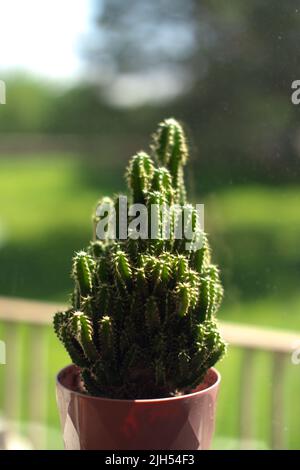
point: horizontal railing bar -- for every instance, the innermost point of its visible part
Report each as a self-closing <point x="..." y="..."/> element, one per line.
<point x="244" y="336"/>
<point x="27" y="311"/>
<point x="265" y="339"/>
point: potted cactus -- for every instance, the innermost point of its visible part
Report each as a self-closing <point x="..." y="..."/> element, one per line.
<point x="141" y="331"/>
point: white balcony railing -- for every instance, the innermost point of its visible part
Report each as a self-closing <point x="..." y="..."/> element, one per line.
<point x="38" y="315"/>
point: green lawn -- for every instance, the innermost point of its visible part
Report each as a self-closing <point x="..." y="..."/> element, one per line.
<point x="255" y="231"/>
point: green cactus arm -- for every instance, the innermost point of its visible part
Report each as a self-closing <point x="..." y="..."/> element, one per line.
<point x="73" y="348"/>
<point x="184" y="361"/>
<point x="170" y="149"/>
<point x="162" y="142"/>
<point x="215" y="344"/>
<point x="186" y="297"/>
<point x="81" y="327"/>
<point x="152" y="315"/>
<point x="200" y="255"/>
<point x="169" y="142"/>
<point x="106" y="337"/>
<point x="139" y="176"/>
<point x="158" y="269"/>
<point x="132" y="248"/>
<point x="162" y="182"/>
<point x="141" y="281"/>
<point x="83" y="266"/>
<point x="96" y="249"/>
<point x="103" y="270"/>
<point x="76" y="354"/>
<point x="211" y="349"/>
<point x="122" y="268"/>
<point x="87" y="306"/>
<point x="103" y="298"/>
<point x="186" y="226"/>
<point x="182" y="267"/>
<point x="211" y="293"/>
<point x="155" y="202"/>
<point x="59" y="321"/>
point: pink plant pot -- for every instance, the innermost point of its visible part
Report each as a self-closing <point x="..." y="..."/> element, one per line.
<point x="176" y="423"/>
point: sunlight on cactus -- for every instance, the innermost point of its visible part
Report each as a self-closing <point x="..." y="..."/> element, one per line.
<point x="142" y="322"/>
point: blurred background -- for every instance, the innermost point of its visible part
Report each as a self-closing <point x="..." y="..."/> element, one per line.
<point x="86" y="84"/>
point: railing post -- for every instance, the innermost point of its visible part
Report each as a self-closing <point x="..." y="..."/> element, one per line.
<point x="12" y="375"/>
<point x="246" y="400"/>
<point x="277" y="424"/>
<point x="38" y="385"/>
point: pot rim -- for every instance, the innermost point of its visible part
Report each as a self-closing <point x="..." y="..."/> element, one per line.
<point x="143" y="400"/>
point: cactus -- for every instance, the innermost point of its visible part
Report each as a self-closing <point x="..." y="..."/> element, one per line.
<point x="142" y="322"/>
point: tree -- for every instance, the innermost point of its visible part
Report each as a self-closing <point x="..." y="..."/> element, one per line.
<point x="238" y="58"/>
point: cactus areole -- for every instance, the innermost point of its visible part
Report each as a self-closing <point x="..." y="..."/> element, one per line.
<point x="142" y="321"/>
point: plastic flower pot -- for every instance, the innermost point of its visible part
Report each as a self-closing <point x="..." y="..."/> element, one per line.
<point x="175" y="423"/>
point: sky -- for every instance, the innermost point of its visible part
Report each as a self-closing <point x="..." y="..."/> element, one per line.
<point x="42" y="36"/>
